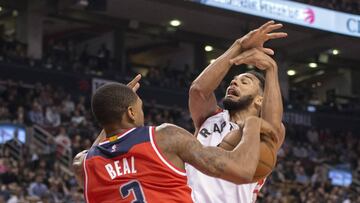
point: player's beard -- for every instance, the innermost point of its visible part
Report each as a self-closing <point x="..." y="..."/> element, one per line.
<point x="240" y="104"/>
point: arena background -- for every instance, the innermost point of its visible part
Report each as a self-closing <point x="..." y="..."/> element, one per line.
<point x="53" y="54"/>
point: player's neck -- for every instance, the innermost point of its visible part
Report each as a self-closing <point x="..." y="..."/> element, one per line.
<point x="118" y="129"/>
<point x="239" y="116"/>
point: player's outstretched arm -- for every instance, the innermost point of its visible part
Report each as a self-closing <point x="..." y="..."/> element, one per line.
<point x="272" y="106"/>
<point x="202" y="101"/>
<point x="237" y="166"/>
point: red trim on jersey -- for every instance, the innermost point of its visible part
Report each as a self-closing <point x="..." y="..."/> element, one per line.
<point x="120" y="135"/>
<point x="85" y="179"/>
<point x="259" y="185"/>
<point x="161" y="153"/>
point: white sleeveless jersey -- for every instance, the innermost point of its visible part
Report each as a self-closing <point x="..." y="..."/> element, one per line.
<point x="206" y="189"/>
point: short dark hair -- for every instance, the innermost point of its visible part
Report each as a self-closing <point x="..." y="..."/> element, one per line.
<point x="110" y="101"/>
<point x="260" y="77"/>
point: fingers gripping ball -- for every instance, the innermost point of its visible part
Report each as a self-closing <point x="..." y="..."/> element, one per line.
<point x="267" y="158"/>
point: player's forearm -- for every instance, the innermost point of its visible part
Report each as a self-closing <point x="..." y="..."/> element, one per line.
<point x="211" y="77"/>
<point x="272" y="107"/>
<point x="247" y="152"/>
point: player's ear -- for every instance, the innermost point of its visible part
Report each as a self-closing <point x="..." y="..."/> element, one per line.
<point x="258" y="101"/>
<point x="131" y="113"/>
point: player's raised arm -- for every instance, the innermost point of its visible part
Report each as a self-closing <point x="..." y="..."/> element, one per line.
<point x="272" y="106"/>
<point x="237" y="166"/>
<point x="202" y="101"/>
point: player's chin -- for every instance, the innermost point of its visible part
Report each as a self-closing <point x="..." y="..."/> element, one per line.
<point x="231" y="97"/>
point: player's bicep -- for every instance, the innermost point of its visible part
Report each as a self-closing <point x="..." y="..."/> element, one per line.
<point x="201" y="106"/>
<point x="281" y="136"/>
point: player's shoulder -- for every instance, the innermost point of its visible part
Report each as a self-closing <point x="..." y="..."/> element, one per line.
<point x="219" y="114"/>
<point x="170" y="129"/>
<point x="166" y="127"/>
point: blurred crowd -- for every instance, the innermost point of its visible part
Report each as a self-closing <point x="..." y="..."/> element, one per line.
<point x="36" y="175"/>
<point x="301" y="174"/>
<point x="349" y="6"/>
<point x="304" y="163"/>
<point x="62" y="56"/>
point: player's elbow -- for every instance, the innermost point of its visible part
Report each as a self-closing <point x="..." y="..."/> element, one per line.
<point x="78" y="161"/>
<point x="248" y="173"/>
<point x="76" y="165"/>
<point x="197" y="93"/>
<point x="195" y="90"/>
<point x="244" y="175"/>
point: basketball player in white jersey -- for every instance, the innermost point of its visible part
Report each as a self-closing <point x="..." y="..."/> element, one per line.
<point x="247" y="95"/>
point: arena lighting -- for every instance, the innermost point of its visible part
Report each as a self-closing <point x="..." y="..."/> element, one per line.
<point x="208" y="48"/>
<point x="311" y="109"/>
<point x="15" y="13"/>
<point x="83" y="3"/>
<point x="291" y="72"/>
<point x="313" y="65"/>
<point x="1" y="8"/>
<point x="335" y="52"/>
<point x="175" y="23"/>
<point x="212" y="60"/>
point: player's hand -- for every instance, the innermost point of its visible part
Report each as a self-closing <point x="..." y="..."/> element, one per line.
<point x="257" y="37"/>
<point x="256" y="58"/>
<point x="134" y="84"/>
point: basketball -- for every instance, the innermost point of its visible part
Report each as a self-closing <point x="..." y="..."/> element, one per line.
<point x="267" y="158"/>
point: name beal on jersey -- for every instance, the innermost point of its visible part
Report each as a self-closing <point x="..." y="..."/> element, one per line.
<point x="119" y="168"/>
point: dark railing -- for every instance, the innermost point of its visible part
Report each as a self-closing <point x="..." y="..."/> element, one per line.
<point x="81" y="84"/>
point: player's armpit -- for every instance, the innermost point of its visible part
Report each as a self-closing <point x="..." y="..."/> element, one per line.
<point x="78" y="169"/>
<point x="201" y="106"/>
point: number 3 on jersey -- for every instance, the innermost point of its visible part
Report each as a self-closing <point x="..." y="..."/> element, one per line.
<point x="135" y="187"/>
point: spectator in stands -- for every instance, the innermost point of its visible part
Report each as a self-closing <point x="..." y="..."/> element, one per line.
<point x="38" y="188"/>
<point x="68" y="105"/>
<point x="53" y="118"/>
<point x="78" y="118"/>
<point x="36" y="115"/>
<point x="312" y="135"/>
<point x="63" y="141"/>
<point x="20" y="115"/>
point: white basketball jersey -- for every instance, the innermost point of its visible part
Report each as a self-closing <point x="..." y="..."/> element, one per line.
<point x="206" y="189"/>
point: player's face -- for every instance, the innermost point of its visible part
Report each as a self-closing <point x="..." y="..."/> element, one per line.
<point x="139" y="113"/>
<point x="241" y="92"/>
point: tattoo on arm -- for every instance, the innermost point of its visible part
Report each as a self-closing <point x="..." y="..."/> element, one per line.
<point x="213" y="161"/>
